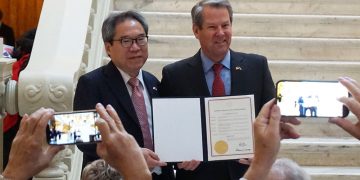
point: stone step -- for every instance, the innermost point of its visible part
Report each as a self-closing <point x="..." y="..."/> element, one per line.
<point x="322" y="151"/>
<point x="321" y="128"/>
<point x="313" y="70"/>
<point x="170" y="46"/>
<point x="334" y="7"/>
<point x="267" y="25"/>
<point x="333" y="173"/>
<point x="285" y="69"/>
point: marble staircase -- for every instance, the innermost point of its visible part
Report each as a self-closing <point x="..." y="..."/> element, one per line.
<point x="302" y="39"/>
<point x="313" y="7"/>
<point x="263" y="25"/>
<point x="309" y="35"/>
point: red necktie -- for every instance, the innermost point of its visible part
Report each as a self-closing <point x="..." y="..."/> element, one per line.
<point x="218" y="88"/>
<point x="138" y="101"/>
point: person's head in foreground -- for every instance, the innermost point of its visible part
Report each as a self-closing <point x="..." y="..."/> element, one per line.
<point x="100" y="170"/>
<point x="286" y="169"/>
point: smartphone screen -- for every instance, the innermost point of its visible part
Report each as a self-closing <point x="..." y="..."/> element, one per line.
<point x="73" y="128"/>
<point x="311" y="98"/>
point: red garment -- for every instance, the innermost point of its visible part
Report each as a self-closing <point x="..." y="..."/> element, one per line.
<point x="17" y="66"/>
<point x="11" y="119"/>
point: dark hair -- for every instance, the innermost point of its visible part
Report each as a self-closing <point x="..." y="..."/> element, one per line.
<point x="197" y="10"/>
<point x="25" y="44"/>
<point x="109" y="25"/>
<point x="26" y="41"/>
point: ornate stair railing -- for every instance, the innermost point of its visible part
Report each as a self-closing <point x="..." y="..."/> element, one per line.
<point x="68" y="44"/>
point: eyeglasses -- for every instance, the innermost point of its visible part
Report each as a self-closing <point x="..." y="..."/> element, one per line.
<point x="128" y="42"/>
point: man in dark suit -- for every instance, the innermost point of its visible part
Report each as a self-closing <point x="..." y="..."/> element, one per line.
<point x="239" y="74"/>
<point x="125" y="36"/>
<point x="6" y="32"/>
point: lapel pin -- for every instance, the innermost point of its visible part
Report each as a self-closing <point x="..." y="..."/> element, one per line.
<point x="154" y="88"/>
<point x="238" y="68"/>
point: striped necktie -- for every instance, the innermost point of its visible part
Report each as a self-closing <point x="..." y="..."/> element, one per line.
<point x="138" y="101"/>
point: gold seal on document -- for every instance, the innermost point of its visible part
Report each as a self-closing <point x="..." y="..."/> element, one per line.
<point x="221" y="147"/>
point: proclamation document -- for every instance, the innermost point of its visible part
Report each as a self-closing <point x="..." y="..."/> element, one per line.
<point x="229" y="123"/>
<point x="204" y="129"/>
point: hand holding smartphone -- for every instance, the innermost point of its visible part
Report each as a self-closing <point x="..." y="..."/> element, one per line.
<point x="73" y="128"/>
<point x="311" y="98"/>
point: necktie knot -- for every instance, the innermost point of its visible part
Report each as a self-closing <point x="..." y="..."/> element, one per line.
<point x="217" y="68"/>
<point x="134" y="82"/>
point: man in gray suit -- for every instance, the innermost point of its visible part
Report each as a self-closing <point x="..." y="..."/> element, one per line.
<point x="239" y="74"/>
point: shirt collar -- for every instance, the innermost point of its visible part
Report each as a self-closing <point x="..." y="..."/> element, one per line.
<point x="207" y="63"/>
<point x="126" y="77"/>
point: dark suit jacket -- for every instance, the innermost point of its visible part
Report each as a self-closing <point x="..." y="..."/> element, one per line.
<point x="8" y="34"/>
<point x="249" y="75"/>
<point x="105" y="85"/>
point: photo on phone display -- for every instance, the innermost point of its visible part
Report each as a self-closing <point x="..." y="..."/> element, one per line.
<point x="73" y="128"/>
<point x="311" y="98"/>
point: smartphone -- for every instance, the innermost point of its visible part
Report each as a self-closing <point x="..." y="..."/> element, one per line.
<point x="302" y="98"/>
<point x="73" y="128"/>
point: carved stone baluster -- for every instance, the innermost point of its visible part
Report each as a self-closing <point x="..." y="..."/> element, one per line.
<point x="5" y="75"/>
<point x="57" y="170"/>
<point x="69" y="152"/>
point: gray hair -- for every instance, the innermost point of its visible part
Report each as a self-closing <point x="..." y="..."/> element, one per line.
<point x="100" y="170"/>
<point x="110" y="23"/>
<point x="196" y="11"/>
<point x="286" y="169"/>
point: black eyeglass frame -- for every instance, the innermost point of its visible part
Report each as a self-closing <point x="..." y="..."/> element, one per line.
<point x="137" y="40"/>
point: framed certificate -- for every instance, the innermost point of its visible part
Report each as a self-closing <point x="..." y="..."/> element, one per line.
<point x="204" y="129"/>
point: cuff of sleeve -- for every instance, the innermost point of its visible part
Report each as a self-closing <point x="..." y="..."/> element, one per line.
<point x="156" y="170"/>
